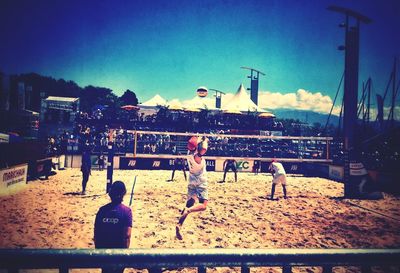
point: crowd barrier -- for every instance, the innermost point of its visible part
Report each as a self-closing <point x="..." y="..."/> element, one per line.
<point x="159" y="259"/>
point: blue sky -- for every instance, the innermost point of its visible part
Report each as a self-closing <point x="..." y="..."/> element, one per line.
<point x="172" y="47"/>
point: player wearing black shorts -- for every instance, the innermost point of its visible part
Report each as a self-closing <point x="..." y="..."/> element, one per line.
<point x="179" y="164"/>
<point x="230" y="164"/>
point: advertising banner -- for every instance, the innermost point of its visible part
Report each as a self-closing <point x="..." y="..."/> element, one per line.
<point x="241" y="165"/>
<point x="13" y="177"/>
<point x="354" y="187"/>
<point x="99" y="163"/>
<point x="60" y="105"/>
<point x="336" y="172"/>
<point x="210" y="165"/>
<point x="359" y="184"/>
<point x="131" y="163"/>
<point x="290" y="167"/>
<point x="293" y="167"/>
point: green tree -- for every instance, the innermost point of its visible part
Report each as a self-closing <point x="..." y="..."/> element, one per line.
<point x="92" y="96"/>
<point x="129" y="98"/>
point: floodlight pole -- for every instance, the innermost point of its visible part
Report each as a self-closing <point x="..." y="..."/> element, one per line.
<point x="351" y="48"/>
<point x="254" y="76"/>
<point x="218" y="97"/>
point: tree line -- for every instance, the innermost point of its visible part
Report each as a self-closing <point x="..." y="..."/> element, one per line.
<point x="90" y="96"/>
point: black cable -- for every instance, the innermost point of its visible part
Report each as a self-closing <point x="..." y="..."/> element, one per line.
<point x="333" y="104"/>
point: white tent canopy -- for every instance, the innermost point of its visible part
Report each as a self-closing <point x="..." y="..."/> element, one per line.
<point x="241" y="102"/>
<point x="174" y="104"/>
<point x="157" y="100"/>
<point x="200" y="103"/>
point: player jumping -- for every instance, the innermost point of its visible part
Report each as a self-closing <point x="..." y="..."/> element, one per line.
<point x="197" y="187"/>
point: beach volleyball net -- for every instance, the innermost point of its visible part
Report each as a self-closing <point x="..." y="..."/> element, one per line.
<point x="257" y="147"/>
<point x="154" y="150"/>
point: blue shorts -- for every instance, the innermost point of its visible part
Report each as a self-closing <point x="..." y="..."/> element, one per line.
<point x="200" y="191"/>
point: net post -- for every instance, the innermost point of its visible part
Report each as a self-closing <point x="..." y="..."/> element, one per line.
<point x="245" y="269"/>
<point x="63" y="269"/>
<point x="327" y="269"/>
<point x="135" y="145"/>
<point x="286" y="269"/>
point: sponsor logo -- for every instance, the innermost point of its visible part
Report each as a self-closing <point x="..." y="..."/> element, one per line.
<point x="156" y="163"/>
<point x="356" y="165"/>
<point x="293" y="168"/>
<point x="132" y="163"/>
<point x="357" y="169"/>
<point x="210" y="163"/>
<point x="242" y="165"/>
<point x="13" y="174"/>
<point x="111" y="220"/>
<point x="358" y="172"/>
<point x="15" y="181"/>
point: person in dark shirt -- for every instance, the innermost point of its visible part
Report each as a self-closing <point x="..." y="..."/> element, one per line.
<point x="256" y="166"/>
<point x="113" y="223"/>
<point x="85" y="167"/>
<point x="230" y="164"/>
<point x="100" y="161"/>
<point x="179" y="164"/>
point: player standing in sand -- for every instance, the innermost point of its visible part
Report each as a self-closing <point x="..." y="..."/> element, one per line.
<point x="179" y="164"/>
<point x="197" y="187"/>
<point x="230" y="164"/>
<point x="113" y="224"/>
<point x="86" y="166"/>
<point x="279" y="177"/>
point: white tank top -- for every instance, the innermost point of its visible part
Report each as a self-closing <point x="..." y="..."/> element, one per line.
<point x="278" y="168"/>
<point x="197" y="171"/>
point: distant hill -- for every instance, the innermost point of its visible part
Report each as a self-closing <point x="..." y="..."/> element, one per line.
<point x="309" y="117"/>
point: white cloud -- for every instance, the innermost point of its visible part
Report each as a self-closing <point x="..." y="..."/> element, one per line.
<point x="374" y="112"/>
<point x="301" y="100"/>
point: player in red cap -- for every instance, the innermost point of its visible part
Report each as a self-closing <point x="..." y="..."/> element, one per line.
<point x="197" y="187"/>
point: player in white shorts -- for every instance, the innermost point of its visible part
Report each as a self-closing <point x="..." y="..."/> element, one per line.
<point x="197" y="187"/>
<point x="279" y="177"/>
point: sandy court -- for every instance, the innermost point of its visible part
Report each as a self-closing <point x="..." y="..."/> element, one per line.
<point x="52" y="214"/>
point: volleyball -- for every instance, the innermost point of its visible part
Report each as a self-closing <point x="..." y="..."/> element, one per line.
<point x="192" y="143"/>
<point x="202" y="91"/>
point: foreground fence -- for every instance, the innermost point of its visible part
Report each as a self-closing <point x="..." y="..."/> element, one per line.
<point x="159" y="259"/>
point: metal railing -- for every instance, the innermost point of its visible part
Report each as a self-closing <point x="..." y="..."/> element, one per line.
<point x="159" y="259"/>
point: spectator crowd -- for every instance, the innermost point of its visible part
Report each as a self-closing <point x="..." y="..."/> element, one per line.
<point x="96" y="128"/>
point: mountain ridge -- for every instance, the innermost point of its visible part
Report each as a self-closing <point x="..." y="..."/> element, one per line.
<point x="306" y="116"/>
